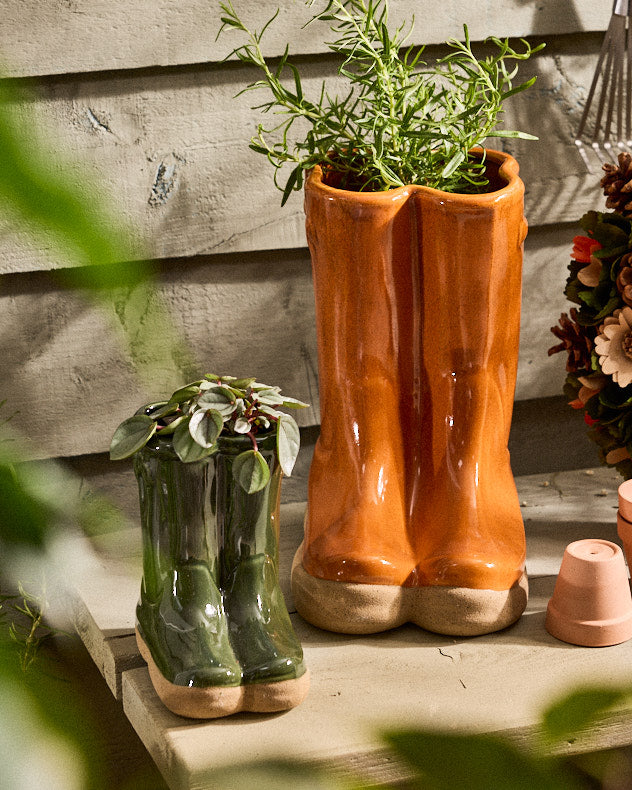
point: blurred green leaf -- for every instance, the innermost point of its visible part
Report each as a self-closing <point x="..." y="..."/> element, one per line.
<point x="50" y="202"/>
<point x="24" y="520"/>
<point x="105" y="257"/>
<point x="580" y="710"/>
<point x="449" y="761"/>
<point x="34" y="754"/>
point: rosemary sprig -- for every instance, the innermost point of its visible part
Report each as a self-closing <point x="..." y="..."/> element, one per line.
<point x="401" y="120"/>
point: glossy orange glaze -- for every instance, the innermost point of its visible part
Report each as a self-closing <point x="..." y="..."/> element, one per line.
<point x="418" y="310"/>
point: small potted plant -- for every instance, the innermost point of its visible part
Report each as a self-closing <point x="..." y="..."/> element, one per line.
<point x="211" y="620"/>
<point x="415" y="233"/>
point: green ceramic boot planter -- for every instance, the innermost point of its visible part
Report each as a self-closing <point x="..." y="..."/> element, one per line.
<point x="211" y="621"/>
<point x="261" y="632"/>
<point x="182" y="630"/>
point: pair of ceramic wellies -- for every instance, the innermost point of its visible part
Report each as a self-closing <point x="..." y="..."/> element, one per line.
<point x="413" y="513"/>
<point x="211" y="621"/>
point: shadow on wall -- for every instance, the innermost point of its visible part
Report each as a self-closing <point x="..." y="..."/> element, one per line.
<point x="548" y="436"/>
<point x="545" y="15"/>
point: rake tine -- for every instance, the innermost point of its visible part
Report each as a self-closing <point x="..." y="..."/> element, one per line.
<point x="617" y="97"/>
<point x="593" y="85"/>
<point x="611" y="90"/>
<point x="628" y="107"/>
<point x="581" y="149"/>
<point x="604" y="91"/>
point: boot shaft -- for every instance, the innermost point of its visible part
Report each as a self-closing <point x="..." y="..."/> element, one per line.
<point x="177" y="519"/>
<point x="417" y="309"/>
<point x="197" y="512"/>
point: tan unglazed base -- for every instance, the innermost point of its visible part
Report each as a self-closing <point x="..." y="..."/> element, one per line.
<point x="216" y="701"/>
<point x="350" y="608"/>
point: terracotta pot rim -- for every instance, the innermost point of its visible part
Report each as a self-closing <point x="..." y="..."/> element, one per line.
<point x="508" y="170"/>
<point x="625" y="500"/>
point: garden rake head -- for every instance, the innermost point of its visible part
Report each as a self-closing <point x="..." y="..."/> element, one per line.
<point x="606" y="123"/>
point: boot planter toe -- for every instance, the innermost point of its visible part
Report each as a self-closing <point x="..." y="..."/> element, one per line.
<point x="186" y="630"/>
<point x="194" y="702"/>
<point x="347" y="607"/>
<point x="270" y="655"/>
<point x="211" y="621"/>
<point x="412" y="509"/>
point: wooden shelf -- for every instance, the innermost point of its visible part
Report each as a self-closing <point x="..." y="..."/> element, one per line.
<point x="362" y="684"/>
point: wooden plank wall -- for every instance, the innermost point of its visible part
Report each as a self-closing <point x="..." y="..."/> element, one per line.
<point x="138" y="94"/>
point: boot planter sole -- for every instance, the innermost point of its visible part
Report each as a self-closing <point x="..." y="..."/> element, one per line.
<point x="353" y="608"/>
<point x="213" y="702"/>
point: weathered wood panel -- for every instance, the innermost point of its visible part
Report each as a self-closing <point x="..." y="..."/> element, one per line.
<point x="68" y="36"/>
<point x="171" y="153"/>
<point x="68" y="376"/>
<point x="72" y="382"/>
<point x="547" y="255"/>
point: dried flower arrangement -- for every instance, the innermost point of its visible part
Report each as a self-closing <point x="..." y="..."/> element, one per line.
<point x="597" y="336"/>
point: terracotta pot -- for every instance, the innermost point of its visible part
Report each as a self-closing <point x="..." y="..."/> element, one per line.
<point x="624" y="519"/>
<point x="591" y="603"/>
<point x="412" y="509"/>
<point x="625" y="500"/>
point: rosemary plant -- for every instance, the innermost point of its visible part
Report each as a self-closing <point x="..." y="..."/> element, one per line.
<point x="401" y="120"/>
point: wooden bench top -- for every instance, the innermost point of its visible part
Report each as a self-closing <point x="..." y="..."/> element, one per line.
<point x="361" y="684"/>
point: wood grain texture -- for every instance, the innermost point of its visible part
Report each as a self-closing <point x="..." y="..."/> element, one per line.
<point x="499" y="682"/>
<point x="170" y="152"/>
<point x="66" y="36"/>
<point x="545" y="270"/>
<point x="67" y="374"/>
<point x="238" y="314"/>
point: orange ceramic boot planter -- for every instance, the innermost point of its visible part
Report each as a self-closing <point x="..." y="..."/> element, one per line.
<point x="412" y="509"/>
<point x="464" y="513"/>
<point x="356" y="526"/>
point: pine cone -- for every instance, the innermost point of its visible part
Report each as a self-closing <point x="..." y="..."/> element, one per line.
<point x="624" y="278"/>
<point x="574" y="341"/>
<point x="617" y="184"/>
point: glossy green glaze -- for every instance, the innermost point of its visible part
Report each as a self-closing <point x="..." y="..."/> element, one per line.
<point x="211" y="611"/>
